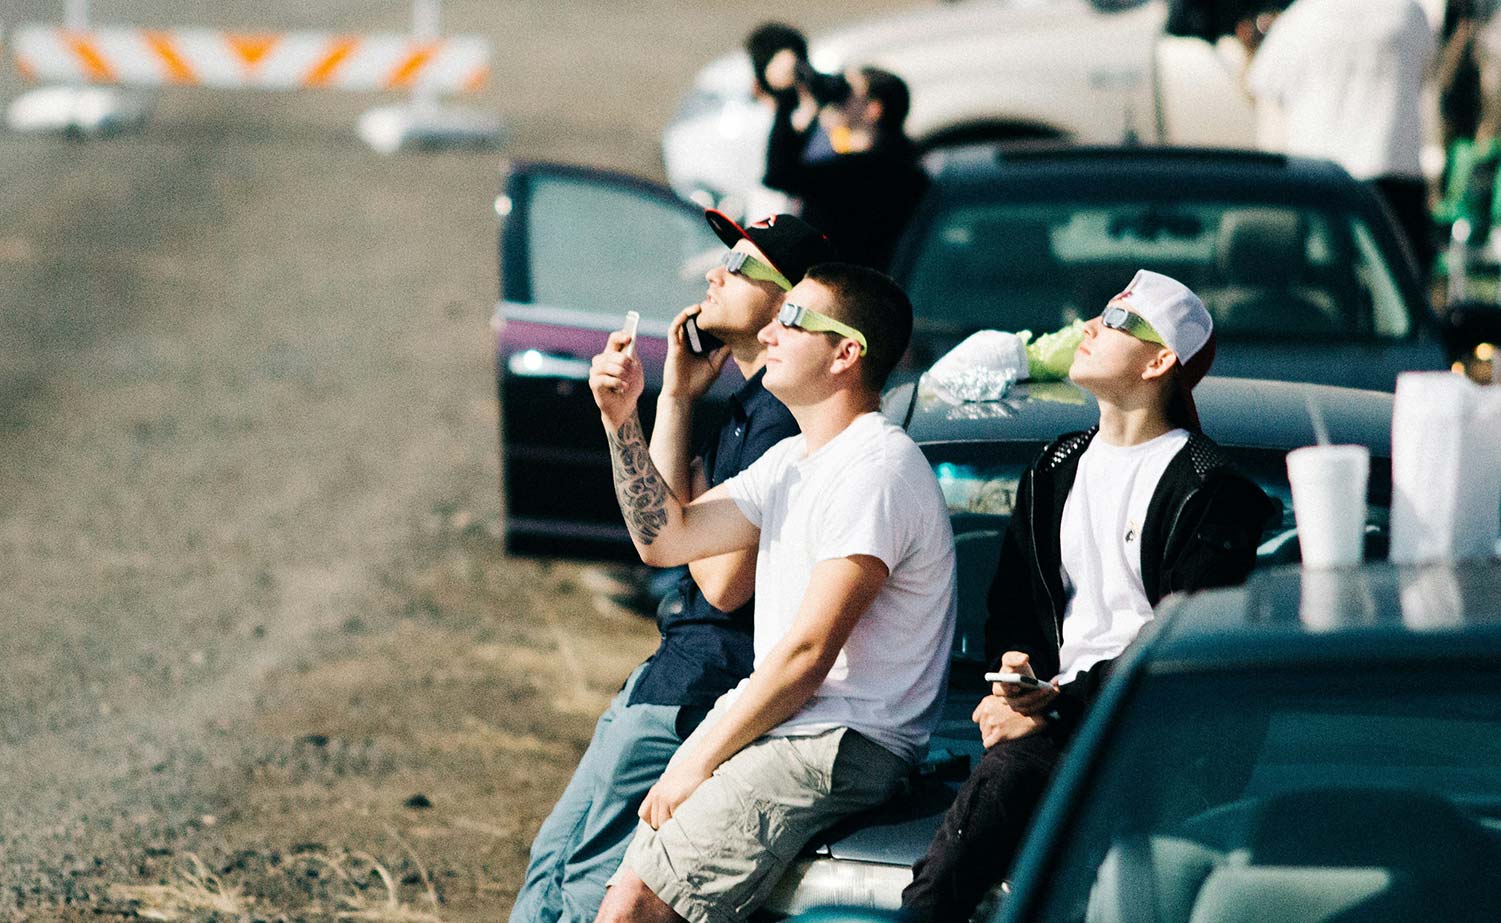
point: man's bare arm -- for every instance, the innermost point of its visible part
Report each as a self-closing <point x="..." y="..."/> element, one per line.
<point x="838" y="594"/>
<point x="665" y="531"/>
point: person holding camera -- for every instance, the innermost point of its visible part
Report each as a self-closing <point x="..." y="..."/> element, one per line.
<point x="865" y="185"/>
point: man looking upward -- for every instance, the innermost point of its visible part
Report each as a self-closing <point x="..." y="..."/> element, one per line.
<point x="854" y="607"/>
<point x="1106" y="523"/>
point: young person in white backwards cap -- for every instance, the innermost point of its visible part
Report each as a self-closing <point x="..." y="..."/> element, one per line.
<point x="1106" y="523"/>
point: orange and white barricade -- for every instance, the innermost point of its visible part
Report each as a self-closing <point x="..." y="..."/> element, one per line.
<point x="288" y="61"/>
<point x="86" y="60"/>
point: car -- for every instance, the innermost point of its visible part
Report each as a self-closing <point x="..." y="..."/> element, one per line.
<point x="1313" y="745"/>
<point x="1300" y="264"/>
<point x="1081" y="71"/>
<point x="978" y="451"/>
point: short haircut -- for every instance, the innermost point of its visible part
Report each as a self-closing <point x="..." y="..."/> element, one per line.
<point x="891" y="92"/>
<point x="766" y="40"/>
<point x="876" y="306"/>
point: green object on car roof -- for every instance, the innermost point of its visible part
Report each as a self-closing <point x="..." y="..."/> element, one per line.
<point x="1050" y="355"/>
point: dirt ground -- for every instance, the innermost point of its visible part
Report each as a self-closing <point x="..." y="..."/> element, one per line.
<point x="261" y="656"/>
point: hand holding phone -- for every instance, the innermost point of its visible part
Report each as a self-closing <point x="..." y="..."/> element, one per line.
<point x="1018" y="679"/>
<point x="699" y="342"/>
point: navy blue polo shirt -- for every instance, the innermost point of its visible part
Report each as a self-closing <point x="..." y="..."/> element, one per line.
<point x="705" y="652"/>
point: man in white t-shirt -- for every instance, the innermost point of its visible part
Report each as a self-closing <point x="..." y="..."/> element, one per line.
<point x="855" y="595"/>
<point x="1345" y="80"/>
<point x="1106" y="523"/>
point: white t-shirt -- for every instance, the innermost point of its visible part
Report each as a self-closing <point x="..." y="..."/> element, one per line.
<point x="1348" y="76"/>
<point x="868" y="491"/>
<point x="1101" y="544"/>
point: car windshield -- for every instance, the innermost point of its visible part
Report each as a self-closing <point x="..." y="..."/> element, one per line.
<point x="1265" y="271"/>
<point x="1282" y="789"/>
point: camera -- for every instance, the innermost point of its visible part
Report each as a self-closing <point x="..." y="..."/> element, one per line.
<point x="827" y="89"/>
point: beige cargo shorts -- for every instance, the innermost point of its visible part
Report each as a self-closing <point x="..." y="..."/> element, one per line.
<point x="720" y="854"/>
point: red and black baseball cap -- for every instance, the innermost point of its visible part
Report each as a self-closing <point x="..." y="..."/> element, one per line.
<point x="791" y="244"/>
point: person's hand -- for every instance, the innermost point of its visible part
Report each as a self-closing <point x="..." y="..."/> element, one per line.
<point x="616" y="380"/>
<point x="1022" y="699"/>
<point x="781" y="70"/>
<point x="998" y="721"/>
<point x="679" y="781"/>
<point x="684" y="375"/>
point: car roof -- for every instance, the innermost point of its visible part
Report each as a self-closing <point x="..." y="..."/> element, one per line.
<point x="1049" y="171"/>
<point x="1236" y="412"/>
<point x="1377" y="612"/>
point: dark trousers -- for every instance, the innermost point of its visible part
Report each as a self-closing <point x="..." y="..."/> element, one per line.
<point x="982" y="830"/>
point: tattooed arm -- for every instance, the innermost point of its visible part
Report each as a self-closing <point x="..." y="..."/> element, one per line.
<point x="666" y="531"/>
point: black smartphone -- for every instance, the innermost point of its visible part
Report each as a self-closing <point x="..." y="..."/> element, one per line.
<point x="700" y="342"/>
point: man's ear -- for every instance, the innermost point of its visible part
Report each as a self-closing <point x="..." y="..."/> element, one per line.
<point x="845" y="356"/>
<point x="1162" y="364"/>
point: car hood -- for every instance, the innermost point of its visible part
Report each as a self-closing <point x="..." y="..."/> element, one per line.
<point x="1235" y="411"/>
<point x="899" y="831"/>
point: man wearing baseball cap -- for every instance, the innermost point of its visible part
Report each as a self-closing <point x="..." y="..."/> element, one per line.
<point x="706" y="625"/>
<point x="1106" y="523"/>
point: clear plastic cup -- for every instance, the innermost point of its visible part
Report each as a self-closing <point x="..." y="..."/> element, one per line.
<point x="1329" y="487"/>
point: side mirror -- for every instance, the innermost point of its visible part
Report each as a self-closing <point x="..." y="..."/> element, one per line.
<point x="1472" y="332"/>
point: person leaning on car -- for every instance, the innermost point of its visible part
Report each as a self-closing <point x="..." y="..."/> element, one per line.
<point x="854" y="168"/>
<point x="855" y="607"/>
<point x="706" y="644"/>
<point x="1106" y="523"/>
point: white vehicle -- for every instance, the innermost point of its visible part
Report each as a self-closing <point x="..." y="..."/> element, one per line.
<point x="1090" y="71"/>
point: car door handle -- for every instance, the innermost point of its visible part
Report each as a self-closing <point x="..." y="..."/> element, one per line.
<point x="534" y="363"/>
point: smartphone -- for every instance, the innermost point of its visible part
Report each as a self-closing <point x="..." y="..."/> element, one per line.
<point x="632" y="321"/>
<point x="700" y="342"/>
<point x="1017" y="679"/>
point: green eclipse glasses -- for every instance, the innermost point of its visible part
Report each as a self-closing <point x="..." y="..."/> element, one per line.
<point x="795" y="315"/>
<point x="744" y="264"/>
<point x="1118" y="318"/>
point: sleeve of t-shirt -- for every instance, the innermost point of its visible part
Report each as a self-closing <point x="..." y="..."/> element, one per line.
<point x="751" y="488"/>
<point x="871" y="512"/>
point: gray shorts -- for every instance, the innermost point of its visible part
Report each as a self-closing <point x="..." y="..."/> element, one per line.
<point x="719" y="855"/>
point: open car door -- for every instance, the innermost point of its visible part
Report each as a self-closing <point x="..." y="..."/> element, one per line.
<point x="578" y="248"/>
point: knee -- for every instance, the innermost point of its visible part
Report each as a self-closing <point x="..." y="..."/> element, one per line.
<point x="629" y="900"/>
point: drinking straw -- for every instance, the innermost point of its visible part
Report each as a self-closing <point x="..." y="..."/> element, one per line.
<point x="1316" y="416"/>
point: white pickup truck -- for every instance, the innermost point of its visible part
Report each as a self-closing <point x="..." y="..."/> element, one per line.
<point x="1091" y="71"/>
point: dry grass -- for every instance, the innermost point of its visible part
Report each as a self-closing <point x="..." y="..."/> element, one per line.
<point x="195" y="889"/>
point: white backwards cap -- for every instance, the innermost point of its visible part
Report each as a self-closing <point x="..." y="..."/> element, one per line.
<point x="1172" y="309"/>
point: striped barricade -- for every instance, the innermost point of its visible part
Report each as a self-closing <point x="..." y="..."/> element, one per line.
<point x="269" y="61"/>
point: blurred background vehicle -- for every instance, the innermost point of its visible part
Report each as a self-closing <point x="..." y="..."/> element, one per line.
<point x="1300" y="264"/>
<point x="978" y="452"/>
<point x="1081" y="71"/>
<point x="1313" y="745"/>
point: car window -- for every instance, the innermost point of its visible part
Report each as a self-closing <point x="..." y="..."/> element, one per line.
<point x="1264" y="271"/>
<point x="601" y="247"/>
<point x="1209" y="775"/>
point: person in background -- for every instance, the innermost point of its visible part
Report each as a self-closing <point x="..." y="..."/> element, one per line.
<point x="1345" y="80"/>
<point x="706" y="644"/>
<point x="853" y="166"/>
<point x="1106" y="523"/>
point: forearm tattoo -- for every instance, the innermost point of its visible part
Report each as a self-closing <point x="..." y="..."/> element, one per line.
<point x="638" y="485"/>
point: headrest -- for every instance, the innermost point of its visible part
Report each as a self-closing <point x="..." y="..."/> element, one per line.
<point x="1261" y="246"/>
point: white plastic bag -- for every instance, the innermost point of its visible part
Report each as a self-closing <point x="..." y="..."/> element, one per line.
<point x="1446" y="468"/>
<point x="982" y="368"/>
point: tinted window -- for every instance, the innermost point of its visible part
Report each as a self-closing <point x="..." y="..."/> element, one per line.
<point x="1273" y="785"/>
<point x="1264" y="271"/>
<point x="604" y="247"/>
